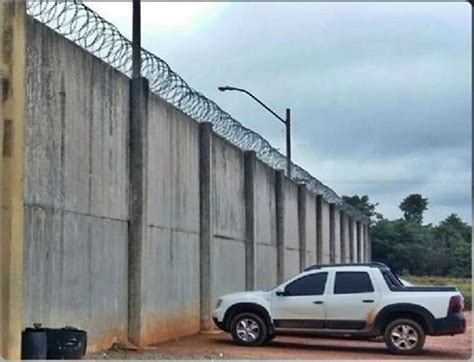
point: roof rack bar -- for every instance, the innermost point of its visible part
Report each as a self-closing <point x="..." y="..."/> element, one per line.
<point x="372" y="265"/>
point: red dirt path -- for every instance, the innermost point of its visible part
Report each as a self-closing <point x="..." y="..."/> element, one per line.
<point x="220" y="346"/>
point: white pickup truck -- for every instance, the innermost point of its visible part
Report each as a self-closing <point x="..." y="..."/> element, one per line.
<point x="355" y="300"/>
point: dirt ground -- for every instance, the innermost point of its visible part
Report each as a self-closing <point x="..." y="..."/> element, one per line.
<point x="220" y="346"/>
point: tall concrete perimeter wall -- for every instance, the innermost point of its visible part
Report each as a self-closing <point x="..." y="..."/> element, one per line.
<point x="75" y="189"/>
<point x="217" y="220"/>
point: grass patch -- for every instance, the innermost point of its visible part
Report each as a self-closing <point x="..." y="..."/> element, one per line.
<point x="463" y="284"/>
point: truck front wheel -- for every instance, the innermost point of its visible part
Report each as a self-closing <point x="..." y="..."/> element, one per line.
<point x="249" y="329"/>
<point x="404" y="336"/>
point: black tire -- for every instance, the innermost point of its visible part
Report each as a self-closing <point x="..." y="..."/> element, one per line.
<point x="411" y="340"/>
<point x="256" y="326"/>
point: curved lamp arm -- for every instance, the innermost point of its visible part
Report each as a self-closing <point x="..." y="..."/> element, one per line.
<point x="223" y="89"/>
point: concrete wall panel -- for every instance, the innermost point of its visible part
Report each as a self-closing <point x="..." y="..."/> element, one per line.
<point x="290" y="191"/>
<point x="354" y="240"/>
<point x="325" y="231"/>
<point x="291" y="233"/>
<point x="362" y="242"/>
<point x="345" y="220"/>
<point x="170" y="263"/>
<point x="228" y="198"/>
<point x="265" y="204"/>
<point x="337" y="235"/>
<point x="171" y="280"/>
<point x="229" y="267"/>
<point x="310" y="229"/>
<point x="173" y="170"/>
<point x="77" y="128"/>
<point x="75" y="273"/>
<point x="266" y="266"/>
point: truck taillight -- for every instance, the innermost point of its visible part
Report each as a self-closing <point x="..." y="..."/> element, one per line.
<point x="455" y="304"/>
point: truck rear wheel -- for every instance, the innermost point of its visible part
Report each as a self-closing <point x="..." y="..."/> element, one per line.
<point x="404" y="336"/>
<point x="249" y="329"/>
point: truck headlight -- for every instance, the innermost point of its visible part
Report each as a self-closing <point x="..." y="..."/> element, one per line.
<point x="219" y="302"/>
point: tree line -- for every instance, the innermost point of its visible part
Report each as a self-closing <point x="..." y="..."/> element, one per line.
<point x="409" y="246"/>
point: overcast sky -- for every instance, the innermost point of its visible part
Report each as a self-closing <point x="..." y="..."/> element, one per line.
<point x="380" y="93"/>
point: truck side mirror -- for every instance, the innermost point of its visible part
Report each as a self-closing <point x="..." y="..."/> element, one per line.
<point x="281" y="292"/>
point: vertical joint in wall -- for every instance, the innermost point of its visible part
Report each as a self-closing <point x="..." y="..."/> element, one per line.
<point x="366" y="243"/>
<point x="319" y="229"/>
<point x="138" y="193"/>
<point x="205" y="224"/>
<point x="280" y="225"/>
<point x="343" y="236"/>
<point x="332" y="233"/>
<point x="351" y="240"/>
<point x="367" y="228"/>
<point x="250" y="165"/>
<point x="359" y="240"/>
<point x="302" y="225"/>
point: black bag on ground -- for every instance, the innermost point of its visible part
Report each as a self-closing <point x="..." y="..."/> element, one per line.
<point x="66" y="343"/>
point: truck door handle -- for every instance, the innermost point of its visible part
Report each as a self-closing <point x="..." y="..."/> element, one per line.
<point x="368" y="301"/>
<point x="318" y="302"/>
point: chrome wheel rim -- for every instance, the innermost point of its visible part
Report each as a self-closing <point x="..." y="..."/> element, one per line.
<point x="247" y="330"/>
<point x="404" y="337"/>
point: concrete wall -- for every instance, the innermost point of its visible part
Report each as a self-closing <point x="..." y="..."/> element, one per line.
<point x="78" y="253"/>
<point x="266" y="227"/>
<point x="228" y="218"/>
<point x="310" y="229"/>
<point x="354" y="241"/>
<point x="75" y="198"/>
<point x="171" y="251"/>
<point x="325" y="232"/>
<point x="346" y="239"/>
<point x="337" y="235"/>
<point x="291" y="232"/>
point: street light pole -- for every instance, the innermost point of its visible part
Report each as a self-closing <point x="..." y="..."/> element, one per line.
<point x="286" y="122"/>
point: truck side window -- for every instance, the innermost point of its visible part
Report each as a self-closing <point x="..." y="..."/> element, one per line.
<point x="312" y="284"/>
<point x="352" y="282"/>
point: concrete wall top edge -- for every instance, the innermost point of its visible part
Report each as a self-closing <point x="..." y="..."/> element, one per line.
<point x="39" y="26"/>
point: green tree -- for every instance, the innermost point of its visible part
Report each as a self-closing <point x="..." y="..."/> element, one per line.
<point x="454" y="222"/>
<point x="404" y="246"/>
<point x="363" y="204"/>
<point x="409" y="247"/>
<point x="413" y="207"/>
<point x="453" y="242"/>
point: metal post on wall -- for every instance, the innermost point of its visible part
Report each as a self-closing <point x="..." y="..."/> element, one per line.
<point x="138" y="186"/>
<point x="288" y="142"/>
<point x="136" y="40"/>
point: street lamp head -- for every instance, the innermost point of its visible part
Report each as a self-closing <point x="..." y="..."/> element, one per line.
<point x="223" y="89"/>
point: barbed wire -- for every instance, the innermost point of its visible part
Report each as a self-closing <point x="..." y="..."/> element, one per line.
<point x="86" y="28"/>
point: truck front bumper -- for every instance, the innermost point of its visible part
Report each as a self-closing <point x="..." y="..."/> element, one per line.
<point x="454" y="323"/>
<point x="219" y="325"/>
